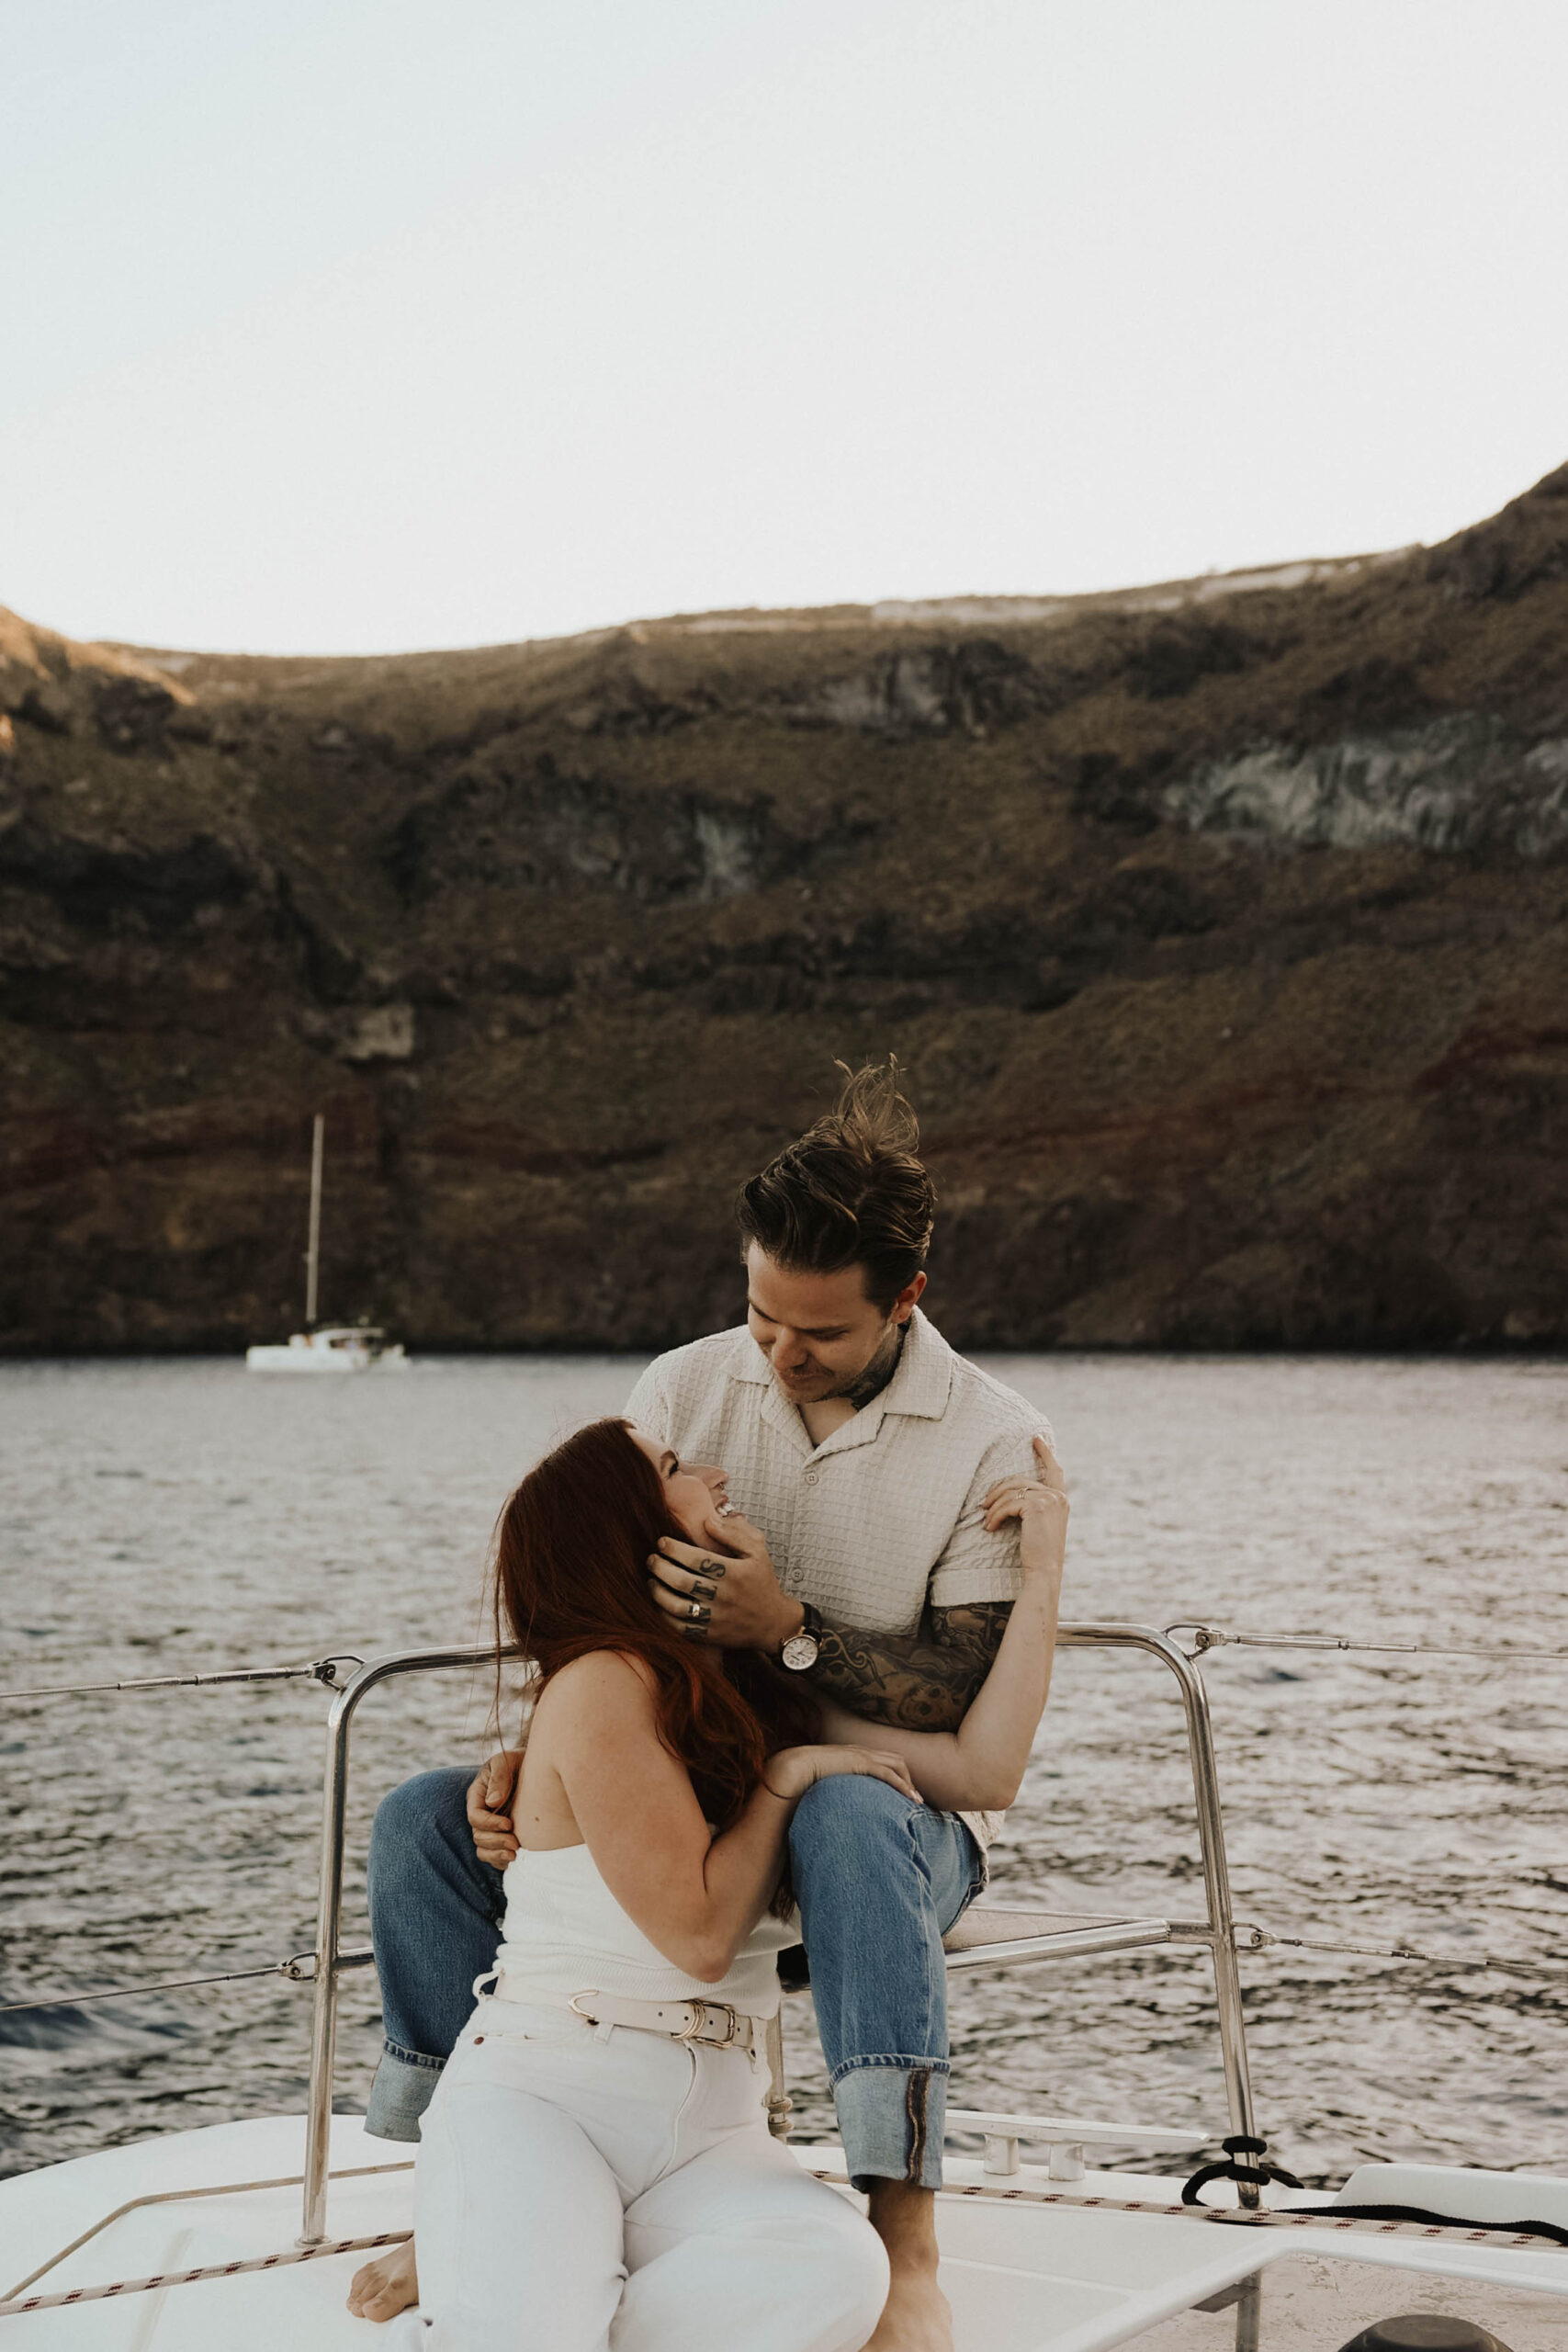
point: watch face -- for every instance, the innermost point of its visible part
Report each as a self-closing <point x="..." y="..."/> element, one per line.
<point x="799" y="1652"/>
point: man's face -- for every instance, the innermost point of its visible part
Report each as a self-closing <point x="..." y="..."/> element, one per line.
<point x="819" y="1332"/>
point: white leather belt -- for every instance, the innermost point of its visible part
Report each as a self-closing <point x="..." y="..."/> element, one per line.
<point x="715" y="2024"/>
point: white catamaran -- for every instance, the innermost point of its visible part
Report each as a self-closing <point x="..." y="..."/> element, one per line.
<point x="332" y="1347"/>
<point x="246" y="2234"/>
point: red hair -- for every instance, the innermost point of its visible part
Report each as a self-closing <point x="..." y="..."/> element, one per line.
<point x="570" y="1576"/>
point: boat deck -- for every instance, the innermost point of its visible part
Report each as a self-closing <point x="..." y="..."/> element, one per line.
<point x="1030" y="2265"/>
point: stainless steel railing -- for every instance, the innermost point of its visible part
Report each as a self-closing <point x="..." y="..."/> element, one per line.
<point x="1219" y="1935"/>
<point x="1218" y="1932"/>
<point x="329" y="1906"/>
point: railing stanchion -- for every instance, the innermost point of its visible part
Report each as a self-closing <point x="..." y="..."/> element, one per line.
<point x="324" y="2004"/>
<point x="329" y="1910"/>
<point x="1221" y="1937"/>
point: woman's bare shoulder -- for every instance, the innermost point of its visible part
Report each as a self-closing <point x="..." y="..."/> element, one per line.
<point x="598" y="1678"/>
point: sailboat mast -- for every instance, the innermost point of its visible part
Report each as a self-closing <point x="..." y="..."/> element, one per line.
<point x="313" y="1252"/>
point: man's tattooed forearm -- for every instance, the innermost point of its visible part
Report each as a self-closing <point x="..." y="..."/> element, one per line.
<point x="923" y="1681"/>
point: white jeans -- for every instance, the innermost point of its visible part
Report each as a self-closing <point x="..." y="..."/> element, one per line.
<point x="615" y="2191"/>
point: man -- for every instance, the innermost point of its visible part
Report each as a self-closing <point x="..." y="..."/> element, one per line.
<point x="860" y="1447"/>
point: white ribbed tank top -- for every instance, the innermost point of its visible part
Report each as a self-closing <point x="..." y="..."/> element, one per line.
<point x="565" y="1932"/>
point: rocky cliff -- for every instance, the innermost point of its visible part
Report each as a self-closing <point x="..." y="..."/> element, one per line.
<point x="1222" y="926"/>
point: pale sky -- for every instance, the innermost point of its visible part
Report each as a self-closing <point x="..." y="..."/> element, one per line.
<point x="361" y="325"/>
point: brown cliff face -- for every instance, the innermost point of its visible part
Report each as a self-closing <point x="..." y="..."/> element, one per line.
<point x="1224" y="927"/>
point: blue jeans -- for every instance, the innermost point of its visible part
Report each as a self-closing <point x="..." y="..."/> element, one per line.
<point x="879" y="1881"/>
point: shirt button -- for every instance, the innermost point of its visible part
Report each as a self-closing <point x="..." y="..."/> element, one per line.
<point x="811" y="1477"/>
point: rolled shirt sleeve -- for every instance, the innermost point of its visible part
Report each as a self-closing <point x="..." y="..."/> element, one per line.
<point x="975" y="1565"/>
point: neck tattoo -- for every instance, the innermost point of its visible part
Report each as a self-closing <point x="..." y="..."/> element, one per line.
<point x="871" y="1383"/>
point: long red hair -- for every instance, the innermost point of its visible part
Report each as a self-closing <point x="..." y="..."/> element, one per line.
<point x="570" y="1576"/>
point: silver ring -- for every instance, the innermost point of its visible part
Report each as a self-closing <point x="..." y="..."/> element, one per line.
<point x="697" y="1612"/>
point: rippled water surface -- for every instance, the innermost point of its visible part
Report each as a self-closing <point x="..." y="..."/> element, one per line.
<point x="159" y="1518"/>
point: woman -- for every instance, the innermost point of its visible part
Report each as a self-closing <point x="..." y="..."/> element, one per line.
<point x="595" y="2167"/>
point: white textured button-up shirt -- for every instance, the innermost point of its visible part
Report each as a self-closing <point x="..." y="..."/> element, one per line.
<point x="885" y="1515"/>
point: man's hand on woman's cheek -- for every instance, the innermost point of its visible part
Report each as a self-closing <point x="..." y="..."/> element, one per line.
<point x="725" y="1591"/>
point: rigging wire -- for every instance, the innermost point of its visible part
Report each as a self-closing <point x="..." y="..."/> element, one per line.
<point x="301" y="1970"/>
<point x="1214" y="1637"/>
<point x="321" y="1669"/>
<point x="1249" y="1937"/>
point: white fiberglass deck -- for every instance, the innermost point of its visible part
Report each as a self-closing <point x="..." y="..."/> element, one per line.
<point x="1022" y="2276"/>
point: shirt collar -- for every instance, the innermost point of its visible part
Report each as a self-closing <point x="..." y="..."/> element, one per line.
<point x="923" y="1381"/>
<point x="920" y="1387"/>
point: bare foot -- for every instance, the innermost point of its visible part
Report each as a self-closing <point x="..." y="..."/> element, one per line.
<point x="382" y="2288"/>
<point x="917" y="2316"/>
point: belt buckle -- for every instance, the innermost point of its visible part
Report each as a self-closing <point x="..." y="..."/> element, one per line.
<point x="697" y="2030"/>
<point x="585" y="2015"/>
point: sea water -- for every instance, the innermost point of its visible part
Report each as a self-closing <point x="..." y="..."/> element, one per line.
<point x="161" y="1517"/>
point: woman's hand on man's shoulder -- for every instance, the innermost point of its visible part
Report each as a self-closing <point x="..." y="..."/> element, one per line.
<point x="1040" y="1506"/>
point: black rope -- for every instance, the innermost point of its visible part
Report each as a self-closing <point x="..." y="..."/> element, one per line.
<point x="1258" y="2175"/>
<point x="1262" y="2172"/>
<point x="1552" y="2230"/>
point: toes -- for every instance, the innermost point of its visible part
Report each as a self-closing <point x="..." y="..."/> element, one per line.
<point x="380" y="2291"/>
<point x="366" y="2290"/>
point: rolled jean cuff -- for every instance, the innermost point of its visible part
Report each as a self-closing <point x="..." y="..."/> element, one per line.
<point x="892" y="2114"/>
<point x="404" y="2086"/>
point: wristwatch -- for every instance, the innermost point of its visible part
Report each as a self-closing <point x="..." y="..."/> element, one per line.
<point x="799" y="1652"/>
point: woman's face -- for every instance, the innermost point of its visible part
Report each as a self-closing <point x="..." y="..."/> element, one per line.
<point x="694" y="1489"/>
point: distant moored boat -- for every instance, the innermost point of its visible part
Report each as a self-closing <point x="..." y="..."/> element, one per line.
<point x="337" y="1347"/>
<point x="341" y="1347"/>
